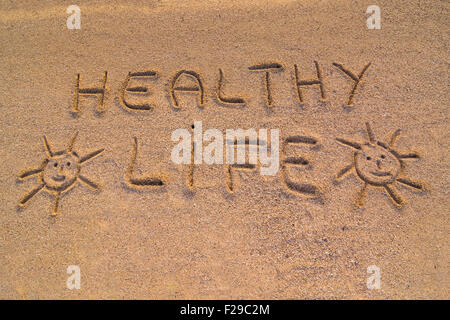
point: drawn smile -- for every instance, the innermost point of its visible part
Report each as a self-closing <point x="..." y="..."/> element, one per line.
<point x="380" y="173"/>
<point x="59" y="178"/>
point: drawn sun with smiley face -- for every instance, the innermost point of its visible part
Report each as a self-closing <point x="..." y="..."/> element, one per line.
<point x="377" y="164"/>
<point x="58" y="173"/>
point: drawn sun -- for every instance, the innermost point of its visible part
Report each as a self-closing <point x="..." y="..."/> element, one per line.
<point x="378" y="165"/>
<point x="58" y="173"/>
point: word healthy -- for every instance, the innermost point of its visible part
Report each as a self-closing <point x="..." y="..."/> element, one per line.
<point x="135" y="97"/>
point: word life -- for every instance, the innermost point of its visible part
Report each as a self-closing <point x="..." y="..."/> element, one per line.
<point x="376" y="164"/>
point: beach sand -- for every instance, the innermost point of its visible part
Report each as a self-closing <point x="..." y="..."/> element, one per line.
<point x="192" y="238"/>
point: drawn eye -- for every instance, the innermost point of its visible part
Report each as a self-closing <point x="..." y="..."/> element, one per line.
<point x="369" y="158"/>
<point x="56" y="164"/>
<point x="383" y="156"/>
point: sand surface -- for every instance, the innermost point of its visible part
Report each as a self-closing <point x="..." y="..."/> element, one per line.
<point x="198" y="240"/>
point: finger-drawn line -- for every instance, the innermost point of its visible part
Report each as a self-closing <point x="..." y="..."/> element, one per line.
<point x="229" y="179"/>
<point x="344" y="172"/>
<point x="91" y="155"/>
<point x="190" y="176"/>
<point x="187" y="88"/>
<point x="29" y="173"/>
<point x="47" y="147"/>
<point x="409" y="156"/>
<point x="361" y="196"/>
<point x="55" y="206"/>
<point x="137" y="89"/>
<point x="72" y="142"/>
<point x="265" y="66"/>
<point x="243" y="166"/>
<point x="296" y="161"/>
<point x="394" y="137"/>
<point x="303" y="188"/>
<point x="393" y="193"/>
<point x="144" y="74"/>
<point x="247" y="142"/>
<point x="412" y="184"/>
<point x="354" y="145"/>
<point x="301" y="139"/>
<point x="269" y="92"/>
<point x="31" y="194"/>
<point x="370" y="133"/>
<point x="88" y="182"/>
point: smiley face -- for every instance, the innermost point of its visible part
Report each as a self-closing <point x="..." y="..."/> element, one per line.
<point x="376" y="165"/>
<point x="61" y="171"/>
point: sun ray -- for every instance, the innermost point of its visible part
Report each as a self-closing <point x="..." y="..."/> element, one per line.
<point x="361" y="196"/>
<point x="351" y="144"/>
<point x="407" y="156"/>
<point x="395" y="196"/>
<point x="47" y="147"/>
<point x="30" y="195"/>
<point x="344" y="172"/>
<point x="56" y="205"/>
<point x="29" y="173"/>
<point x="382" y="144"/>
<point x="88" y="182"/>
<point x="91" y="155"/>
<point x="410" y="183"/>
<point x="394" y="137"/>
<point x="72" y="142"/>
<point x="370" y="133"/>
